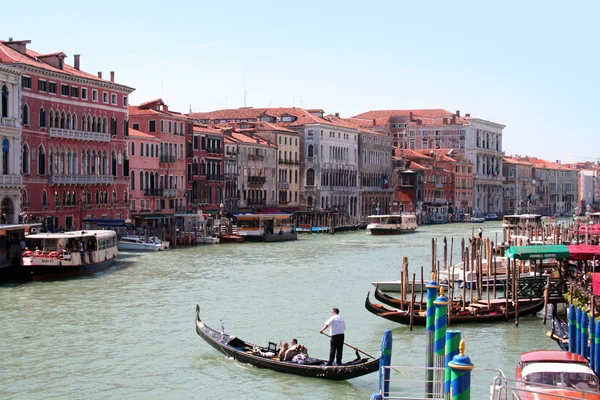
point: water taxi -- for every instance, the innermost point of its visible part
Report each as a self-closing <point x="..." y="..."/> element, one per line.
<point x="522" y="222"/>
<point x="392" y="224"/>
<point x="58" y="255"/>
<point x="140" y="243"/>
<point x="266" y="227"/>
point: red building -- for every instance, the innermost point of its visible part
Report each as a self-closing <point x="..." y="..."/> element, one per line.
<point x="74" y="159"/>
<point x="154" y="118"/>
<point x="205" y="169"/>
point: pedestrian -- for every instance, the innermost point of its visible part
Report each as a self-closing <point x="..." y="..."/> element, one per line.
<point x="336" y="326"/>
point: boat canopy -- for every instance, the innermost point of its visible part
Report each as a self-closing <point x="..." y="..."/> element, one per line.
<point x="537" y="252"/>
<point x="589" y="229"/>
<point x="556" y="368"/>
<point x="583" y="252"/>
<point x="552" y="356"/>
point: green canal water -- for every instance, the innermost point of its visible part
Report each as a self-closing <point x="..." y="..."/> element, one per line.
<point x="129" y="332"/>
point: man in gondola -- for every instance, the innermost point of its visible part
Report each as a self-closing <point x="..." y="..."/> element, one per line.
<point x="336" y="326"/>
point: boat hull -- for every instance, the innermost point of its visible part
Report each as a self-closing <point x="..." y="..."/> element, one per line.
<point x="389" y="231"/>
<point x="272" y="238"/>
<point x="58" y="271"/>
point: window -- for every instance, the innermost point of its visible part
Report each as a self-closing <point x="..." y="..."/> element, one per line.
<point x="151" y="126"/>
<point x="25" y="114"/>
<point x="169" y="126"/>
<point x="105" y="97"/>
<point x="425" y="133"/>
<point x="175" y="128"/>
<point x="51" y="87"/>
<point x="133" y="148"/>
<point x="141" y="149"/>
<point x="26" y="82"/>
<point x="136" y="126"/>
<point x="438" y="133"/>
<point x="84" y="93"/>
<point x="42" y="86"/>
<point x="41" y="161"/>
<point x="64" y="90"/>
<point x="125" y="101"/>
<point x="181" y="131"/>
<point x="113" y="99"/>
<point x="463" y="132"/>
<point x="94" y="95"/>
<point x="411" y="133"/>
<point x="74" y="91"/>
<point x="162" y="125"/>
<point x="42" y="118"/>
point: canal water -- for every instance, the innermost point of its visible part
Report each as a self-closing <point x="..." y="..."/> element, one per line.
<point x="129" y="332"/>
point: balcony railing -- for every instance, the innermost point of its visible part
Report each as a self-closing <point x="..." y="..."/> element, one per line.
<point x="10" y="122"/>
<point x="154" y="192"/>
<point x="213" y="177"/>
<point x="180" y="209"/>
<point x="256" y="202"/>
<point x="170" y="192"/>
<point x="214" y="150"/>
<point x="11" y="180"/>
<point x="284" y="185"/>
<point x="288" y="162"/>
<point x="80" y="179"/>
<point x="79" y="135"/>
<point x="259" y="180"/>
<point x="252" y="157"/>
<point x="230" y="175"/>
<point x="167" y="158"/>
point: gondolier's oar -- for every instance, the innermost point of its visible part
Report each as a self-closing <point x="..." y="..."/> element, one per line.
<point x="352" y="347"/>
<point x="388" y="313"/>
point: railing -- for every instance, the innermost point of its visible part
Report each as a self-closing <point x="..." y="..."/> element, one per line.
<point x="180" y="209"/>
<point x="79" y="135"/>
<point x="153" y="192"/>
<point x="439" y="185"/>
<point x="80" y="179"/>
<point x="170" y="192"/>
<point x="167" y="158"/>
<point x="256" y="202"/>
<point x="144" y="210"/>
<point x="252" y="157"/>
<point x="257" y="180"/>
<point x="214" y="150"/>
<point x="213" y="177"/>
<point x="11" y="180"/>
<point x="10" y="122"/>
<point x="230" y="175"/>
<point x="288" y="162"/>
<point x="284" y="185"/>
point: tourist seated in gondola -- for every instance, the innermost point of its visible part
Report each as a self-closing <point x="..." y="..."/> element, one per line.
<point x="294" y="350"/>
<point x="284" y="347"/>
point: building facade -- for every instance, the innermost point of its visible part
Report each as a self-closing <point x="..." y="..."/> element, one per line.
<point x="231" y="192"/>
<point x="74" y="159"/>
<point x="145" y="195"/>
<point x="206" y="165"/>
<point x="154" y="118"/>
<point x="11" y="180"/>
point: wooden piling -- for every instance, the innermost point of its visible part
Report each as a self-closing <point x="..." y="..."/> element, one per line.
<point x="422" y="285"/>
<point x="412" y="302"/>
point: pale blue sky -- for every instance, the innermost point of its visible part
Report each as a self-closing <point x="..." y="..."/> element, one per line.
<point x="531" y="65"/>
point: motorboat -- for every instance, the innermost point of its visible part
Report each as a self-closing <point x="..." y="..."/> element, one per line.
<point x="140" y="243"/>
<point x="392" y="224"/>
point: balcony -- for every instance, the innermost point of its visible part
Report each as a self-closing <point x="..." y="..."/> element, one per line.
<point x="214" y="150"/>
<point x="180" y="210"/>
<point x="230" y="176"/>
<point x="14" y="181"/>
<point x="8" y="122"/>
<point x="79" y="135"/>
<point x="170" y="192"/>
<point x="154" y="192"/>
<point x="284" y="185"/>
<point x="167" y="158"/>
<point x="439" y="185"/>
<point x="257" y="202"/>
<point x="257" y="180"/>
<point x="213" y="177"/>
<point x="80" y="179"/>
<point x="252" y="157"/>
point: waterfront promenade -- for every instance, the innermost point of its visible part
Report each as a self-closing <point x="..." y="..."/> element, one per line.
<point x="129" y="332"/>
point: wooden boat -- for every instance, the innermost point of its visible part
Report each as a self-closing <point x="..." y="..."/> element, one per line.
<point x="553" y="374"/>
<point x="475" y="313"/>
<point x="232" y="239"/>
<point x="395" y="302"/>
<point x="265" y="357"/>
<point x="560" y="331"/>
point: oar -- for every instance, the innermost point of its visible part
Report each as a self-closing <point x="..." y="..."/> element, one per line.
<point x="352" y="347"/>
<point x="389" y="313"/>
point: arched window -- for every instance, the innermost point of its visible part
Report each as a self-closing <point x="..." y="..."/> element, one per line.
<point x="310" y="177"/>
<point x="63" y="120"/>
<point x="42" y="118"/>
<point x="141" y="180"/>
<point x="105" y="126"/>
<point x="296" y="176"/>
<point x="51" y="119"/>
<point x="310" y="150"/>
<point x="132" y="180"/>
<point x="5" y="155"/>
<point x="41" y="160"/>
<point x="56" y="120"/>
<point x="152" y="150"/>
<point x="141" y="149"/>
<point x="113" y="165"/>
<point x="156" y="151"/>
<point x="25" y="159"/>
<point x="4" y="101"/>
<point x="25" y="114"/>
<point x="44" y="199"/>
<point x="147" y="150"/>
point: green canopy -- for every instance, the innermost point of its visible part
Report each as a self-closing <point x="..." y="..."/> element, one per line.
<point x="537" y="252"/>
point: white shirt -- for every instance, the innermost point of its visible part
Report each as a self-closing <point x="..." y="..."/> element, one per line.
<point x="336" y="325"/>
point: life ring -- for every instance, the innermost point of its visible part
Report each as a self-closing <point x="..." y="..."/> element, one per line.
<point x="54" y="254"/>
<point x="28" y="254"/>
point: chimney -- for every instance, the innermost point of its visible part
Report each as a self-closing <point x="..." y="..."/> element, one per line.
<point x="18" y="45"/>
<point x="453" y="119"/>
<point x="77" y="57"/>
<point x="410" y="116"/>
<point x="100" y="74"/>
<point x="112" y="76"/>
<point x="467" y="115"/>
<point x="458" y="113"/>
<point x="374" y="122"/>
<point x="212" y="123"/>
<point x="445" y="120"/>
<point x="165" y="107"/>
<point x="337" y="115"/>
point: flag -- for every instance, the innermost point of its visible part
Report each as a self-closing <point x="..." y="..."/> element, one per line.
<point x="384" y="181"/>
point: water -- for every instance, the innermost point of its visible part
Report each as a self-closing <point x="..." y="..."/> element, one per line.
<point x="129" y="332"/>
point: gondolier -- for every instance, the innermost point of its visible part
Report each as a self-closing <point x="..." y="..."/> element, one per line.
<point x="336" y="326"/>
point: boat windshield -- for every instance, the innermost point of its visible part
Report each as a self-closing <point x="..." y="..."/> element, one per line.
<point x="581" y="381"/>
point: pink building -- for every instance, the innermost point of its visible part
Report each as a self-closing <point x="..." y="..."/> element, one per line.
<point x="170" y="128"/>
<point x="74" y="160"/>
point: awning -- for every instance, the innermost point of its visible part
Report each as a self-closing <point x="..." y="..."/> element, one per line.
<point x="106" y="222"/>
<point x="537" y="252"/>
<point x="582" y="252"/>
<point x="589" y="229"/>
<point x="153" y="216"/>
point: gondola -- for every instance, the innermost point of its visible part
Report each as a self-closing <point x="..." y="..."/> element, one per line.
<point x="396" y="302"/>
<point x="483" y="315"/>
<point x="560" y="331"/>
<point x="262" y="357"/>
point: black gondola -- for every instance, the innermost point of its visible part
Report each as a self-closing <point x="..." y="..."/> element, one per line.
<point x="419" y="318"/>
<point x="560" y="331"/>
<point x="396" y="302"/>
<point x="250" y="353"/>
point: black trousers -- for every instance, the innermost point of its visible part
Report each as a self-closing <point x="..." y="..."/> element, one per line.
<point x="336" y="347"/>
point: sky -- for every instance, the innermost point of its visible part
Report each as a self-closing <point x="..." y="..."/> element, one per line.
<point x="530" y="65"/>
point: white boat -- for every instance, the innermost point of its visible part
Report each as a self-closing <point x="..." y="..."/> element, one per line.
<point x="266" y="227"/>
<point x="57" y="255"/>
<point x="207" y="239"/>
<point x="140" y="243"/>
<point x="392" y="224"/>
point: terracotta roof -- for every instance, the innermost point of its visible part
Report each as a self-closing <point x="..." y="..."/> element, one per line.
<point x="142" y="110"/>
<point x="207" y="129"/>
<point x="242" y="138"/>
<point x="140" y="134"/>
<point x="434" y="116"/>
<point x="31" y="58"/>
